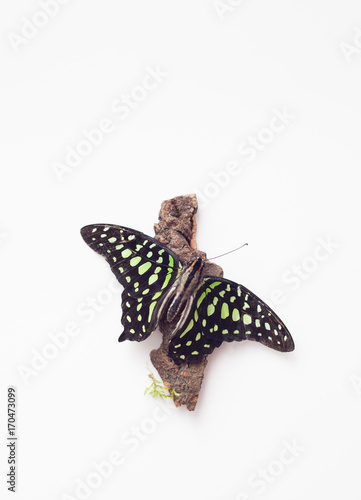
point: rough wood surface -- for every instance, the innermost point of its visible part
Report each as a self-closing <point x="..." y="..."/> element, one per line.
<point x="177" y="229"/>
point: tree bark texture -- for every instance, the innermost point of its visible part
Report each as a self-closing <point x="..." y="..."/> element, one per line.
<point x="177" y="229"/>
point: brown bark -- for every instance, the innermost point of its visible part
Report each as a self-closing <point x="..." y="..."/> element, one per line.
<point x="177" y="229"/>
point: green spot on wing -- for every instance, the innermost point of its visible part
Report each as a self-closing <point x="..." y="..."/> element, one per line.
<point x="126" y="253"/>
<point x="166" y="281"/>
<point x="201" y="298"/>
<point x="152" y="279"/>
<point x="189" y="327"/>
<point x="247" y="319"/>
<point x="151" y="308"/>
<point x="214" y="284"/>
<point x="135" y="261"/>
<point x="224" y="311"/>
<point x="235" y="315"/>
<point x="144" y="267"/>
<point x="210" y="309"/>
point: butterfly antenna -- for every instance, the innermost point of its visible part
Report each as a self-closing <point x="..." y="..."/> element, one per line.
<point x="238" y="248"/>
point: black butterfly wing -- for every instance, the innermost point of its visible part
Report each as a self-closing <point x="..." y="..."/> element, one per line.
<point x="225" y="311"/>
<point x="145" y="267"/>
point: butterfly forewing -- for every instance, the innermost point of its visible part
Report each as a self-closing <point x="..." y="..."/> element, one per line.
<point x="144" y="267"/>
<point x="225" y="311"/>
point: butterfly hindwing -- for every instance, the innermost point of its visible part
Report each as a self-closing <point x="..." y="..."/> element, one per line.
<point x="145" y="267"/>
<point x="225" y="311"/>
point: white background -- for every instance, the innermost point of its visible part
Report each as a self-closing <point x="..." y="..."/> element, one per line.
<point x="225" y="75"/>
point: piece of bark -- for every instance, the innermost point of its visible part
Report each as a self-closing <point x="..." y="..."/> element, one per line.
<point x="177" y="229"/>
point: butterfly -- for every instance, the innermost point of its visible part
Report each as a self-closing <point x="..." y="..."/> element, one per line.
<point x="206" y="310"/>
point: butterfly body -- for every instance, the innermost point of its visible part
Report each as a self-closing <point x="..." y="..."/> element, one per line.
<point x="206" y="310"/>
<point x="185" y="288"/>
